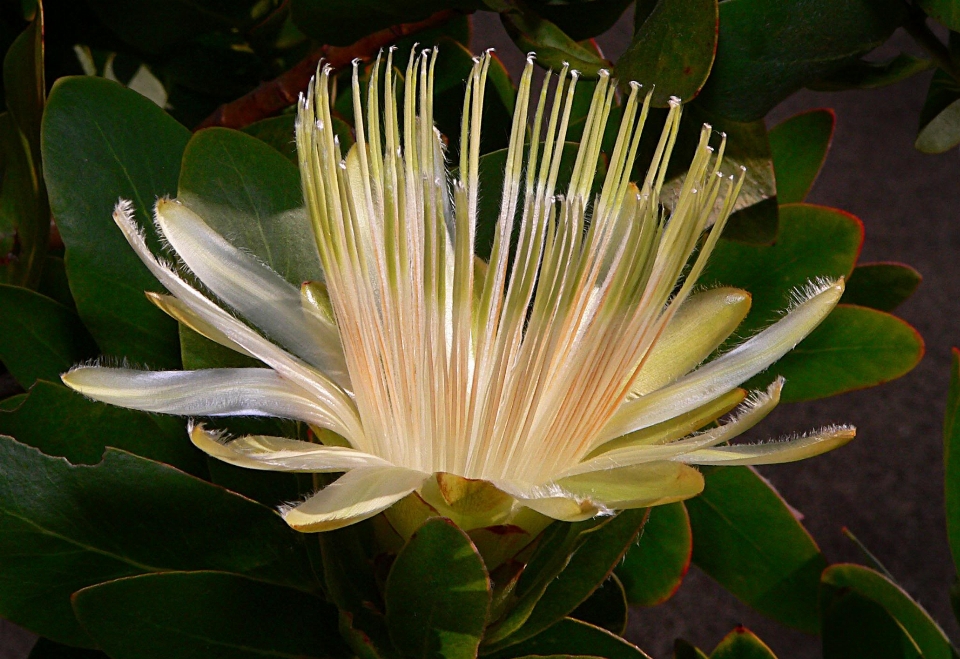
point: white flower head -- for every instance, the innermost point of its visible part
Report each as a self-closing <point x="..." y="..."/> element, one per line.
<point x="563" y="376"/>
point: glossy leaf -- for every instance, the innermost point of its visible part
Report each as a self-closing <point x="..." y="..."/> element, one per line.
<point x="856" y="628"/>
<point x="943" y="11"/>
<point x="39" y="338"/>
<point x="588" y="567"/>
<point x="207" y="615"/>
<point x="130" y="149"/>
<point x="61" y="422"/>
<point x="249" y="192"/>
<point x="867" y="74"/>
<point x="883" y="286"/>
<point x="951" y="459"/>
<point x="554" y="48"/>
<point x="571" y="637"/>
<point x="814" y="241"/>
<point x="799" y="147"/>
<point x="746" y="537"/>
<point x="940" y="116"/>
<point x="672" y="50"/>
<point x="278" y="133"/>
<point x="741" y="643"/>
<point x="582" y="20"/>
<point x="437" y="594"/>
<point x="925" y="633"/>
<point x="606" y="607"/>
<point x="651" y="570"/>
<point x="64" y="528"/>
<point x="767" y="50"/>
<point x="854" y="348"/>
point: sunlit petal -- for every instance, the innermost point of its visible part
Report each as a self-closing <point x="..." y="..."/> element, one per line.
<point x="776" y="452"/>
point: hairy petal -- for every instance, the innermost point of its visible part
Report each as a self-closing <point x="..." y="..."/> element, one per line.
<point x="790" y="450"/>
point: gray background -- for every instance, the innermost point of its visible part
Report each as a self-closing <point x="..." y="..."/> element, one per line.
<point x="887" y="485"/>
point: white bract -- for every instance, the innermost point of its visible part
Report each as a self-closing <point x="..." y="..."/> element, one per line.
<point x="562" y="377"/>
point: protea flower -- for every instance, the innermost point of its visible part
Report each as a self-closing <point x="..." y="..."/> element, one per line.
<point x="563" y="377"/>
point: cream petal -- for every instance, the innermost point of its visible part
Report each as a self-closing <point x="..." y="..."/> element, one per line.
<point x="310" y="379"/>
<point x="791" y="450"/>
<point x="752" y="412"/>
<point x="353" y="497"/>
<point x="256" y="292"/>
<point x="281" y="454"/>
<point x="702" y="323"/>
<point x="551" y="500"/>
<point x="727" y="371"/>
<point x="209" y="392"/>
<point x="636" y="486"/>
<point x="185" y="315"/>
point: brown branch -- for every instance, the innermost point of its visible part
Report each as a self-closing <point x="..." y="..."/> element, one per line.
<point x="271" y="97"/>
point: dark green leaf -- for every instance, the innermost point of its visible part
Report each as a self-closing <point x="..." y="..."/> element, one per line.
<point x="940" y="116"/>
<point x="47" y="649"/>
<point x="916" y="622"/>
<point x="946" y="12"/>
<point x="672" y="50"/>
<point x="437" y="594"/>
<point x="24" y="86"/>
<point x="278" y="133"/>
<point x="63" y="528"/>
<point x="856" y="628"/>
<point x="684" y="650"/>
<point x="207" y="615"/>
<point x="39" y="338"/>
<point x="61" y="422"/>
<point x="652" y="570"/>
<point x="571" y="637"/>
<point x="554" y="48"/>
<point x="854" y="348"/>
<point x="767" y="50"/>
<point x="746" y="537"/>
<point x="741" y="643"/>
<point x="128" y="149"/>
<point x="606" y="607"/>
<point x="799" y="146"/>
<point x="951" y="459"/>
<point x="864" y="74"/>
<point x="882" y="286"/>
<point x="582" y="20"/>
<point x="54" y="284"/>
<point x="814" y="241"/>
<point x="248" y="191"/>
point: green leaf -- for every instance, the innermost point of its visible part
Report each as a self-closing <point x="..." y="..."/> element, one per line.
<point x="130" y="149"/>
<point x="278" y="133"/>
<point x="741" y="643"/>
<point x="54" y="283"/>
<point x="39" y="338"/>
<point x="606" y="607"/>
<point x="685" y="650"/>
<point x="856" y="628"/>
<point x="767" y="50"/>
<point x="437" y="594"/>
<point x="651" y="571"/>
<point x="61" y="422"/>
<point x="799" y="147"/>
<point x="63" y="528"/>
<point x="248" y="191"/>
<point x="24" y="211"/>
<point x="945" y="12"/>
<point x="951" y="459"/>
<point x="47" y="649"/>
<point x="940" y="116"/>
<point x="207" y="615"/>
<point x="814" y="241"/>
<point x="746" y="537"/>
<point x="866" y="74"/>
<point x="554" y="48"/>
<point x="571" y="637"/>
<point x="588" y="567"/>
<point x="672" y="50"/>
<point x="916" y="622"/>
<point x="854" y="348"/>
<point x="582" y="20"/>
<point x="883" y="286"/>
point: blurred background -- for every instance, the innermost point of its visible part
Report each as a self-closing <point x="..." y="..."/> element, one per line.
<point x="886" y="486"/>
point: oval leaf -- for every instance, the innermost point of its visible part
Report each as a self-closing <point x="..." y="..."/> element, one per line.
<point x="799" y="146"/>
<point x="651" y="570"/>
<point x="571" y="637"/>
<point x="940" y="116"/>
<point x="882" y="286"/>
<point x="856" y="628"/>
<point x="606" y="608"/>
<point x="207" y="615"/>
<point x="437" y="594"/>
<point x="741" y="643"/>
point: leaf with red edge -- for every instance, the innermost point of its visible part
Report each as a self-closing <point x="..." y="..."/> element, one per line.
<point x="654" y="567"/>
<point x="799" y="146"/>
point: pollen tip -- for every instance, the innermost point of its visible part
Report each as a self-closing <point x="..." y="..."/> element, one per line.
<point x="674" y="101"/>
<point x="635" y="85"/>
<point x="356" y="62"/>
